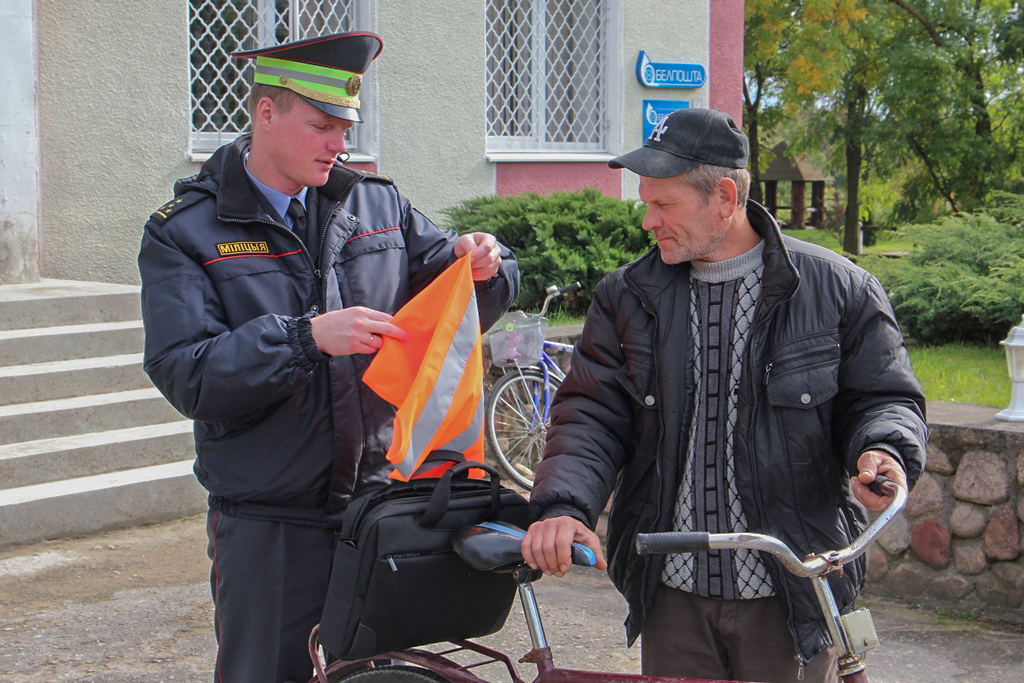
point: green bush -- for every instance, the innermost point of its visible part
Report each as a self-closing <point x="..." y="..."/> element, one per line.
<point x="964" y="280"/>
<point x="558" y="239"/>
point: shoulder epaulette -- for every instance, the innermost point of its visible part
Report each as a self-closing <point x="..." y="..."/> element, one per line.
<point x="161" y="215"/>
<point x="378" y="177"/>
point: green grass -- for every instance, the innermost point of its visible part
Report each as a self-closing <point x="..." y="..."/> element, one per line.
<point x="885" y="244"/>
<point x="963" y="374"/>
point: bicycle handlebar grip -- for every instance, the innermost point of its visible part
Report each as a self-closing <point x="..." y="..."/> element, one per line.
<point x="672" y="542"/>
<point x="883" y="486"/>
<point x="582" y="555"/>
<point x="571" y="288"/>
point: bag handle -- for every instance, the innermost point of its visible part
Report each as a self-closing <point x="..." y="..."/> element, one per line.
<point x="442" y="495"/>
<point x="435" y="458"/>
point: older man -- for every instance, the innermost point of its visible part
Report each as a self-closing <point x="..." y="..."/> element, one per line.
<point x="730" y="380"/>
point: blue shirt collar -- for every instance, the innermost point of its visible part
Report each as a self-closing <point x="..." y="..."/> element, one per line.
<point x="279" y="200"/>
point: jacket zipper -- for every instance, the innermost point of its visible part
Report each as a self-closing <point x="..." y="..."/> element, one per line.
<point x="323" y="238"/>
<point x="806" y="352"/>
<point x="757" y="488"/>
<point x="291" y="235"/>
<point x="661" y="437"/>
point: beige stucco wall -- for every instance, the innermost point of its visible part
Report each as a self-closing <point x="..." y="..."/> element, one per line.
<point x="432" y="102"/>
<point x="114" y="111"/>
<point x="113" y="99"/>
<point x="19" y="147"/>
<point x="679" y="34"/>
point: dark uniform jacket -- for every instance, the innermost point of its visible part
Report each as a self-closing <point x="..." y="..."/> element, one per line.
<point x="283" y="432"/>
<point x="825" y="376"/>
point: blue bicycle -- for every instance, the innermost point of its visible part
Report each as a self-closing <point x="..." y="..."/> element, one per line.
<point x="516" y="417"/>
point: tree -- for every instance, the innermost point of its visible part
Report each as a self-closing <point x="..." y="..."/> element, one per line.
<point x="766" y="33"/>
<point x="952" y="92"/>
<point x="794" y="50"/>
<point x="848" y="115"/>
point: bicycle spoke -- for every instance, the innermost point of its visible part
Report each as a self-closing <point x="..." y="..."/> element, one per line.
<point x="516" y="422"/>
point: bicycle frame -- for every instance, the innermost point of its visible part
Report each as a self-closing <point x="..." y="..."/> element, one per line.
<point x="517" y="407"/>
<point x="844" y="630"/>
<point x="442" y="664"/>
<point x="548" y="367"/>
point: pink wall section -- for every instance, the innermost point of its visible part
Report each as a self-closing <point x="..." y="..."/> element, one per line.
<point x="725" y="76"/>
<point x="725" y="71"/>
<point x="546" y="177"/>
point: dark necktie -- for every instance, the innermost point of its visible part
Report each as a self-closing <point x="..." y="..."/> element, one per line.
<point x="298" y="215"/>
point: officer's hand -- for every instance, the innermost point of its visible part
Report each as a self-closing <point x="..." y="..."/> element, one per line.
<point x="870" y="464"/>
<point x="353" y="330"/>
<point x="484" y="253"/>
<point x="547" y="544"/>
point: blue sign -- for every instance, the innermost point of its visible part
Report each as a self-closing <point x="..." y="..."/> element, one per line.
<point x="656" y="110"/>
<point x="668" y="75"/>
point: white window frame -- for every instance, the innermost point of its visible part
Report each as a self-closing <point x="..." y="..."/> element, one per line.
<point x="363" y="137"/>
<point x="511" y="148"/>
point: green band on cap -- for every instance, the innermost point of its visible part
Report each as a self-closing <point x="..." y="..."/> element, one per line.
<point x="338" y="97"/>
<point x="303" y="67"/>
<point x="320" y="83"/>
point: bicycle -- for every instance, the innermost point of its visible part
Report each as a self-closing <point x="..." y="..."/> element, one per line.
<point x="516" y="413"/>
<point x="496" y="547"/>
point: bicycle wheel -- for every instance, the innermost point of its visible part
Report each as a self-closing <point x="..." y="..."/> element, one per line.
<point x="516" y="426"/>
<point x="391" y="674"/>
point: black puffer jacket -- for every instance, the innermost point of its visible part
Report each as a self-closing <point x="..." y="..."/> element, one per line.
<point x="825" y="376"/>
<point x="282" y="431"/>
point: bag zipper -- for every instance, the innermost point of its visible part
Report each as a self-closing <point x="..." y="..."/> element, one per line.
<point x="401" y="556"/>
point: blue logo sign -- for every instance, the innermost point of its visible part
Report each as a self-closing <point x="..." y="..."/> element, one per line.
<point x="656" y="110"/>
<point x="668" y="75"/>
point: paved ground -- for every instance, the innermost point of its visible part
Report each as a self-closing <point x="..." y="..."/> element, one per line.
<point x="133" y="605"/>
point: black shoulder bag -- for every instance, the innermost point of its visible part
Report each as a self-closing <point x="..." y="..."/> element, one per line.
<point x="397" y="583"/>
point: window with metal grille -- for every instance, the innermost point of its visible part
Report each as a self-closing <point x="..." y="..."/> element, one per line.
<point x="220" y="85"/>
<point x="547" y="80"/>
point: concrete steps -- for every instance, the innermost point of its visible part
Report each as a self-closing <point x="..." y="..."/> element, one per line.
<point x="86" y="442"/>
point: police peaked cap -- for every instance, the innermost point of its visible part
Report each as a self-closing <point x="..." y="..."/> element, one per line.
<point x="326" y="71"/>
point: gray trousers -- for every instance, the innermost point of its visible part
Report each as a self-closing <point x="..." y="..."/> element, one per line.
<point x="269" y="582"/>
<point x="686" y="635"/>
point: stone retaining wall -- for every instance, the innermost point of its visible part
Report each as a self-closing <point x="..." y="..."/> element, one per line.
<point x="959" y="544"/>
<point x="960" y="541"/>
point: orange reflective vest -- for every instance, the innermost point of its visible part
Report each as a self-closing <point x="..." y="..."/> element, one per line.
<point x="435" y="379"/>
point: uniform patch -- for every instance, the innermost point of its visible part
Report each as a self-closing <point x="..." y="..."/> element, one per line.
<point x="175" y="206"/>
<point x="242" y="248"/>
<point x="377" y="176"/>
<point x="165" y="210"/>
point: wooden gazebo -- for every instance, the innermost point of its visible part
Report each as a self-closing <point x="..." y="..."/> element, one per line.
<point x="798" y="172"/>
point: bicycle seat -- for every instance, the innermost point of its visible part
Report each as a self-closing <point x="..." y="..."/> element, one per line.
<point x="489" y="546"/>
<point x="495" y="546"/>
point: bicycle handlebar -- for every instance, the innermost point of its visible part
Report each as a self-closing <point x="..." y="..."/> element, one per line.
<point x="554" y="291"/>
<point x="815" y="565"/>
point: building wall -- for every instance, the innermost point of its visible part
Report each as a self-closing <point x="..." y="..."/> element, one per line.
<point x="113" y="102"/>
<point x="114" y="113"/>
<point x="676" y="35"/>
<point x="726" y="57"/>
<point x="19" y="147"/>
<point x="432" y="102"/>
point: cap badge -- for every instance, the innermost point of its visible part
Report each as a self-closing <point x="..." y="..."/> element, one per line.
<point x="354" y="82"/>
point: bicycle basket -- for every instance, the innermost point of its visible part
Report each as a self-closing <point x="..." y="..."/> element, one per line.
<point x="517" y="339"/>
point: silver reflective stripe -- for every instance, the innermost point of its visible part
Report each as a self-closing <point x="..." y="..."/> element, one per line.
<point x="301" y="76"/>
<point x="466" y="439"/>
<point x="440" y="400"/>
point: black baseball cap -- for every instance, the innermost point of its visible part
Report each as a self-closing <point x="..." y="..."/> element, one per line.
<point x="686" y="139"/>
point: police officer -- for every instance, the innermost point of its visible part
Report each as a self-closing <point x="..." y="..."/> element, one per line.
<point x="267" y="284"/>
